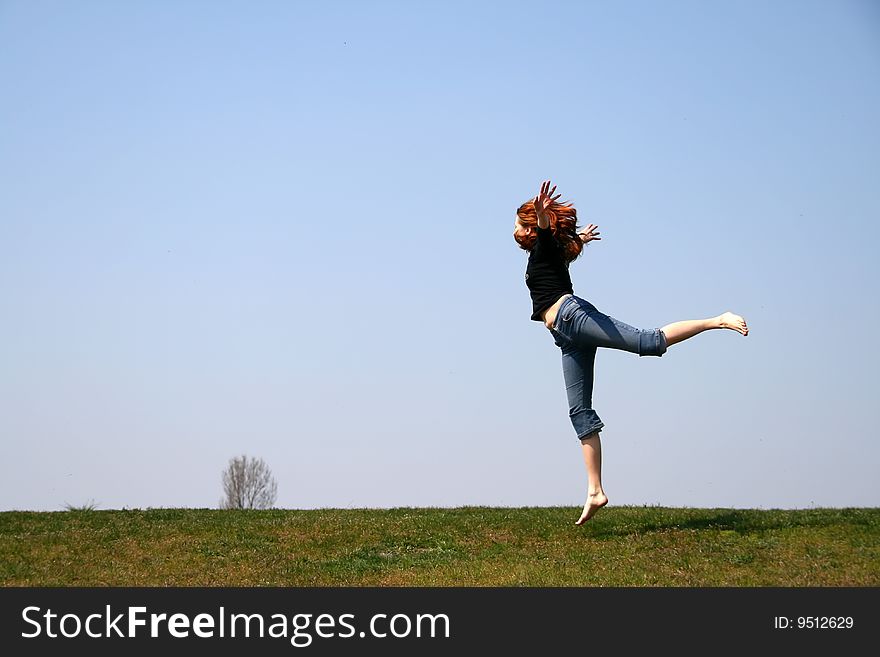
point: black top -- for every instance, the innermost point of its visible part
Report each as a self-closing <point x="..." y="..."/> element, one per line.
<point x="547" y="273"/>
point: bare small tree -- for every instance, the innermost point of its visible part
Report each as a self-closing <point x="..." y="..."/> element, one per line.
<point x="248" y="484"/>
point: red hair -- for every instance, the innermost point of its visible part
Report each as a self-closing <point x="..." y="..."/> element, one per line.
<point x="563" y="223"/>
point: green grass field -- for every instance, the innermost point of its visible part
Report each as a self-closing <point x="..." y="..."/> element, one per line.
<point x="469" y="546"/>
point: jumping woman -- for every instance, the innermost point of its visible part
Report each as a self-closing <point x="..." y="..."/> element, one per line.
<point x="548" y="231"/>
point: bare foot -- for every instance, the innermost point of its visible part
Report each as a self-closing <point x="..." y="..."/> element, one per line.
<point x="730" y="321"/>
<point x="595" y="501"/>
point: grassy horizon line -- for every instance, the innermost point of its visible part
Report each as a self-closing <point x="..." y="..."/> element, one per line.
<point x="441" y="546"/>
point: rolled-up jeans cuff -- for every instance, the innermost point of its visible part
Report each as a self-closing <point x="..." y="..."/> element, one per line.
<point x="652" y="343"/>
<point x="586" y="422"/>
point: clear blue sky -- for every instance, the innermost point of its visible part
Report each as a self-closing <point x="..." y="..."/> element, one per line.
<point x="284" y="229"/>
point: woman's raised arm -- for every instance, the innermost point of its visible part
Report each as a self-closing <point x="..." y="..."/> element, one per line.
<point x="543" y="201"/>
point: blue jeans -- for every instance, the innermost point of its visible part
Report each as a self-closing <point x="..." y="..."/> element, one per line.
<point x="579" y="329"/>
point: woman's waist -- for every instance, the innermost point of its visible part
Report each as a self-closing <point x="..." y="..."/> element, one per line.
<point x="549" y="315"/>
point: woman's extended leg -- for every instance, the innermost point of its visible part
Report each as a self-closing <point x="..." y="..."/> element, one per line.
<point x="592" y="448"/>
<point x="586" y="327"/>
<point x="679" y="331"/>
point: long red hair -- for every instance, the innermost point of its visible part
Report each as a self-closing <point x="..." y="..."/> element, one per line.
<point x="563" y="222"/>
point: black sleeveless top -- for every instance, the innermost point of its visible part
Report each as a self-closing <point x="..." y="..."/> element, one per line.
<point x="547" y="273"/>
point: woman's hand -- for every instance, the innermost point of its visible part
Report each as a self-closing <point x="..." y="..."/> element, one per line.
<point x="589" y="234"/>
<point x="543" y="201"/>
